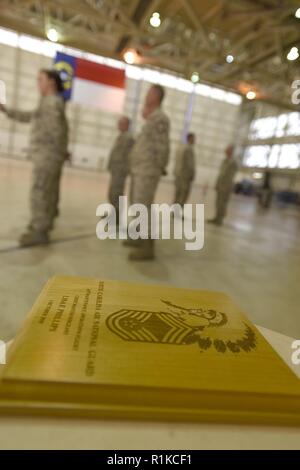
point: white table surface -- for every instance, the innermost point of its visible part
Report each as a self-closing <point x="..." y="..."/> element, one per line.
<point x="61" y="433"/>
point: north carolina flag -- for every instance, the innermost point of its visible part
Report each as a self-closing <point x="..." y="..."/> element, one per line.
<point x="91" y="84"/>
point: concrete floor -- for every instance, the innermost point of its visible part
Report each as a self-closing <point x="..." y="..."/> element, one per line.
<point x="254" y="257"/>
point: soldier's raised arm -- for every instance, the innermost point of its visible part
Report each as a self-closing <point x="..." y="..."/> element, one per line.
<point x="20" y="116"/>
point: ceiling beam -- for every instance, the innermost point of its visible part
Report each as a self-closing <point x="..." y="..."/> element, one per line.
<point x="193" y="16"/>
<point x="142" y="11"/>
<point x="260" y="58"/>
<point x="214" y="11"/>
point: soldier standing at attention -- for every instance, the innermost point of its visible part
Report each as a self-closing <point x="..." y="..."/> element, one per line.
<point x="118" y="164"/>
<point x="224" y="185"/>
<point x="184" y="170"/>
<point x="148" y="161"/>
<point x="48" y="151"/>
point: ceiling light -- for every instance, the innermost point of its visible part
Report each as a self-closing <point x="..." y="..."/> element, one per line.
<point x="52" y="35"/>
<point x="293" y="54"/>
<point x="229" y="59"/>
<point x="130" y="56"/>
<point x="195" y="77"/>
<point x="155" y="20"/>
<point x="251" y="95"/>
<point x="297" y="13"/>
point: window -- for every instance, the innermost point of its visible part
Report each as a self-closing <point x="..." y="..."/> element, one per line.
<point x="257" y="156"/>
<point x="263" y="128"/>
<point x="289" y="157"/>
<point x="274" y="156"/>
<point x="281" y="125"/>
<point x="134" y="72"/>
<point x="293" y="127"/>
<point x="275" y="126"/>
<point x="10" y="38"/>
<point x="233" y="98"/>
<point x="286" y="156"/>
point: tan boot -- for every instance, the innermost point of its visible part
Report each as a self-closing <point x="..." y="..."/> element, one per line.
<point x="144" y="253"/>
<point x="33" y="238"/>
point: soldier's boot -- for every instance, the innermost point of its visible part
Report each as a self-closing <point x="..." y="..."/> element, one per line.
<point x="30" y="227"/>
<point x="144" y="253"/>
<point x="34" y="238"/>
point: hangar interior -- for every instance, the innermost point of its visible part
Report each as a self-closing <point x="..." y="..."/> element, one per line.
<point x="228" y="70"/>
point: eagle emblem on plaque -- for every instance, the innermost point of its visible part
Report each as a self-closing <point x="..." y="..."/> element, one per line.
<point x="181" y="326"/>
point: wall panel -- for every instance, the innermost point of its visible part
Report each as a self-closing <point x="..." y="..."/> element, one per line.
<point x="92" y="131"/>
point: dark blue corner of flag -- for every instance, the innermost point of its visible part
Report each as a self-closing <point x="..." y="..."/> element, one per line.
<point x="65" y="65"/>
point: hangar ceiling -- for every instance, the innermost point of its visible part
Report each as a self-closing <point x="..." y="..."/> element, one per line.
<point x="194" y="36"/>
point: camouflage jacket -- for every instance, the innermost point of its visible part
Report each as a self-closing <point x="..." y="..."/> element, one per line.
<point x="119" y="155"/>
<point x="150" y="154"/>
<point x="49" y="131"/>
<point x="226" y="176"/>
<point x="185" y="162"/>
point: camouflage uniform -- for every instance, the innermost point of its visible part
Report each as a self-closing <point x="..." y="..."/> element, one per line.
<point x="118" y="166"/>
<point x="148" y="160"/>
<point x="184" y="173"/>
<point x="48" y="151"/>
<point x="224" y="186"/>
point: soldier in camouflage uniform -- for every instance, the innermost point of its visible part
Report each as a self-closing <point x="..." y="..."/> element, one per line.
<point x="118" y="164"/>
<point x="48" y="151"/>
<point x="224" y="185"/>
<point x="184" y="171"/>
<point x="148" y="161"/>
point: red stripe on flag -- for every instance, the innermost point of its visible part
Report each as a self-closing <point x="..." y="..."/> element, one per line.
<point x="100" y="73"/>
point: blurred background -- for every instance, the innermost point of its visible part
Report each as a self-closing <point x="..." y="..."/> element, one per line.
<point x="228" y="68"/>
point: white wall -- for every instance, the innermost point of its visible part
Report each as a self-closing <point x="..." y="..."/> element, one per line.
<point x="214" y="120"/>
<point x="214" y="123"/>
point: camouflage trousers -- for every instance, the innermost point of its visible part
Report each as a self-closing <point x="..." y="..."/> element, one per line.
<point x="142" y="191"/>
<point x="116" y="188"/>
<point x="222" y="201"/>
<point x="44" y="196"/>
<point x="182" y="190"/>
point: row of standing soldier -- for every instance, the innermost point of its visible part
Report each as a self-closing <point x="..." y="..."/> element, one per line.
<point x="146" y="159"/>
